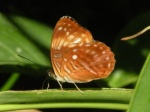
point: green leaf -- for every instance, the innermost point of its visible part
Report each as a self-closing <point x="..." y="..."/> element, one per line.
<point x="25" y="37"/>
<point x="37" y="32"/>
<point x="141" y="100"/>
<point x="120" y="78"/>
<point x="92" y="98"/>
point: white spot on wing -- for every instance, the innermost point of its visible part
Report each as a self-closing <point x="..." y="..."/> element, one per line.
<point x="60" y="28"/>
<point x="74" y="50"/>
<point x="65" y="59"/>
<point x="95" y="45"/>
<point x="103" y="52"/>
<point x="77" y="40"/>
<point x="107" y="58"/>
<point x="87" y="40"/>
<point x="70" y="37"/>
<point x="67" y="33"/>
<point x="83" y="35"/>
<point x="109" y="65"/>
<point x="74" y="57"/>
<point x="71" y="45"/>
<point x="65" y="29"/>
<point x="58" y="48"/>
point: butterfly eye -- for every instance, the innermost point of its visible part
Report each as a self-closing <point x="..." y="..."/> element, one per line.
<point x="76" y="57"/>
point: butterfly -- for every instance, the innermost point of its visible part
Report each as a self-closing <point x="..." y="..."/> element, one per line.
<point x="76" y="57"/>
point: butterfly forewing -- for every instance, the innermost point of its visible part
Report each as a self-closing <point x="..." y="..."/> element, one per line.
<point x="69" y="33"/>
<point x="75" y="56"/>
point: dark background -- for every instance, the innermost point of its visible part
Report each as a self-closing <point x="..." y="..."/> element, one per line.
<point x="105" y="19"/>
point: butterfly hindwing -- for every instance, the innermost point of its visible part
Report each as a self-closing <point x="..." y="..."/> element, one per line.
<point x="88" y="62"/>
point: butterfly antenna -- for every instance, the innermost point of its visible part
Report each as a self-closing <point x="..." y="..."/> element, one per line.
<point x="36" y="64"/>
<point x="28" y="59"/>
<point x="137" y="34"/>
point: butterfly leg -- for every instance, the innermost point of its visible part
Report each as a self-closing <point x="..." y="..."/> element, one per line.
<point x="78" y="88"/>
<point x="48" y="86"/>
<point x="60" y="86"/>
<point x="44" y="83"/>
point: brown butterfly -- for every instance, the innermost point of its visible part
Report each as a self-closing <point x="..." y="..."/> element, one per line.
<point x="76" y="57"/>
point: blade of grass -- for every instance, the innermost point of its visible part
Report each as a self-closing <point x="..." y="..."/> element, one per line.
<point x="10" y="82"/>
<point x="141" y="99"/>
